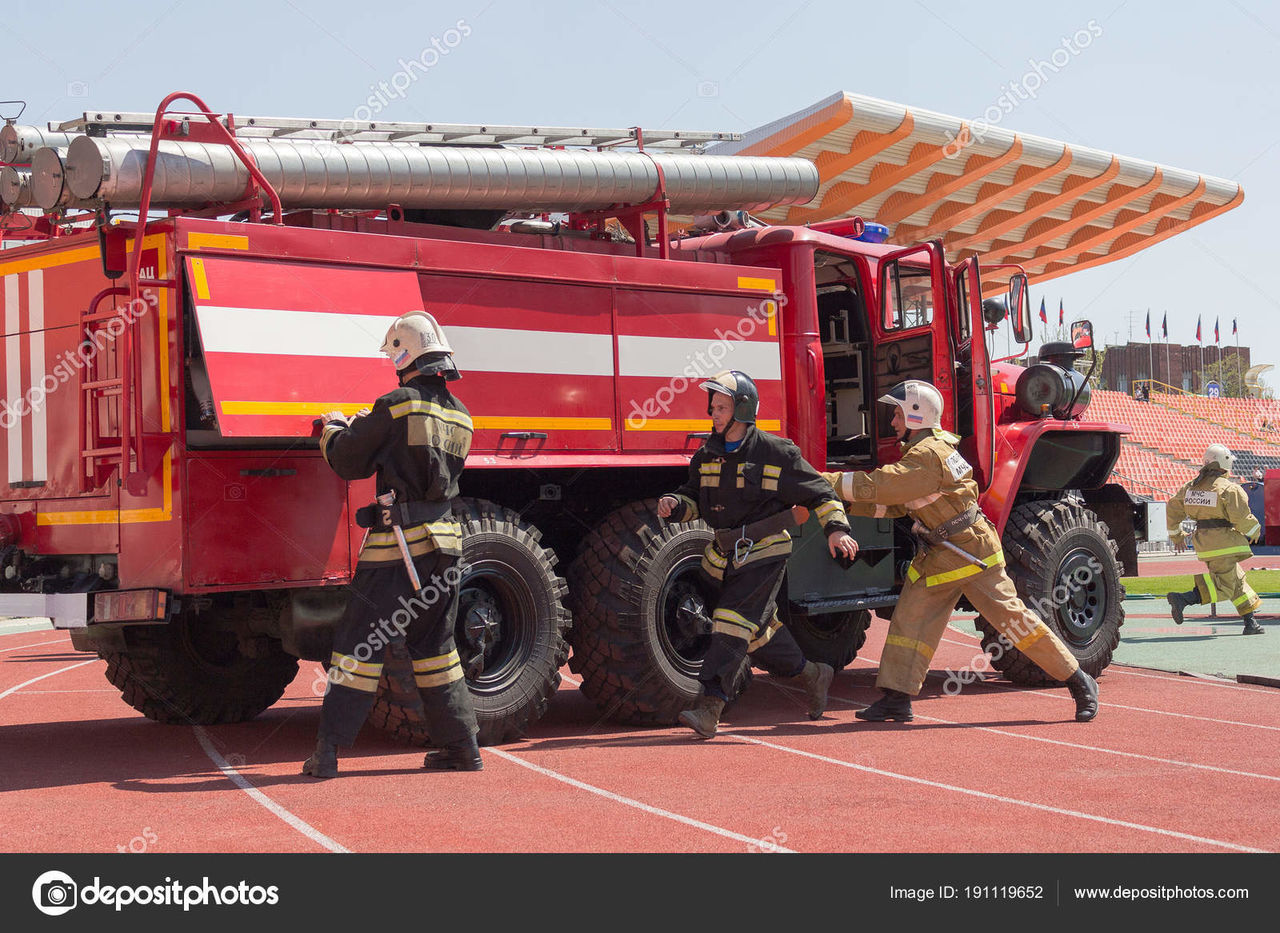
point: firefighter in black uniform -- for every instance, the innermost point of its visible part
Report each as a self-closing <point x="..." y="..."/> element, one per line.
<point x="743" y="482"/>
<point x="415" y="439"/>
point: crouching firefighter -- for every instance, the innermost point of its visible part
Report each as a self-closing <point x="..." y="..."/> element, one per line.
<point x="1224" y="528"/>
<point x="743" y="482"/>
<point x="960" y="554"/>
<point x="415" y="439"/>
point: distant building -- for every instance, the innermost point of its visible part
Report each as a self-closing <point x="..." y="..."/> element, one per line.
<point x="1171" y="364"/>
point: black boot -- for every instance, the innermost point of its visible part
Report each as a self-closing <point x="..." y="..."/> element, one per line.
<point x="459" y="756"/>
<point x="1084" y="690"/>
<point x="323" y="762"/>
<point x="704" y="718"/>
<point x="815" y="678"/>
<point x="894" y="705"/>
<point x="1251" y="626"/>
<point x="1179" y="602"/>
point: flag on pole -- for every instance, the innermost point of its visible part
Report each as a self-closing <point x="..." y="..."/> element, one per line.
<point x="1164" y="325"/>
<point x="1044" y="317"/>
<point x="1059" y="312"/>
<point x="1198" y="340"/>
<point x="1233" y="327"/>
<point x="1148" y="325"/>
<point x="1215" y="330"/>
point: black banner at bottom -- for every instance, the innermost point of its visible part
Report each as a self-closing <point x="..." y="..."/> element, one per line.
<point x="155" y="891"/>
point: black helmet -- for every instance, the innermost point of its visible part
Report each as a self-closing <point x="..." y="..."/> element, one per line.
<point x="738" y="386"/>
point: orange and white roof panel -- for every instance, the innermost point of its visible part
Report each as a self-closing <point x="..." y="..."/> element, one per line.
<point x="984" y="189"/>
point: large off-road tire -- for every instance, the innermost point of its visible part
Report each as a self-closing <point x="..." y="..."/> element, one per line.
<point x="1062" y="560"/>
<point x="637" y="652"/>
<point x="833" y="638"/>
<point x="510" y="632"/>
<point x="192" y="671"/>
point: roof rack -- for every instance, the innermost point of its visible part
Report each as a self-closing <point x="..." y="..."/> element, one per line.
<point x="104" y="123"/>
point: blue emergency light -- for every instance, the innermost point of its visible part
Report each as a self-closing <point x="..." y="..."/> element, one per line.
<point x="874" y="233"/>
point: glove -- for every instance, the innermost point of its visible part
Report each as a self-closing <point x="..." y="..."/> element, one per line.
<point x="1178" y="541"/>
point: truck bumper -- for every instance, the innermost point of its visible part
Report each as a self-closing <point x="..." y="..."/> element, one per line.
<point x="65" y="610"/>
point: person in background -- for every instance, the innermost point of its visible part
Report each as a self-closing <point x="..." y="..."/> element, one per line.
<point x="1224" y="528"/>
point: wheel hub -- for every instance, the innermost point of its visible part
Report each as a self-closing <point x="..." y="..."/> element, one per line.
<point x="481" y="626"/>
<point x="1080" y="595"/>
<point x="684" y="624"/>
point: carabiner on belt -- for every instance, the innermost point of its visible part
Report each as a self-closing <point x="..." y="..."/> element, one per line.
<point x="742" y="548"/>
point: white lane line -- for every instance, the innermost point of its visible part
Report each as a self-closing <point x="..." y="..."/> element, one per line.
<point x="627" y="801"/>
<point x="1090" y="748"/>
<point x="1196" y="680"/>
<point x="241" y="782"/>
<point x="35" y="645"/>
<point x="1011" y="800"/>
<point x="33" y="680"/>
<point x="1061" y="811"/>
<point x="104" y="690"/>
<point x="1066" y="698"/>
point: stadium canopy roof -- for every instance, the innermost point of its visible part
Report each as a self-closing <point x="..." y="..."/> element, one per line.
<point x="984" y="189"/>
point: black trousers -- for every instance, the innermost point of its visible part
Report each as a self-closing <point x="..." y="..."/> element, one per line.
<point x="383" y="609"/>
<point x="746" y="605"/>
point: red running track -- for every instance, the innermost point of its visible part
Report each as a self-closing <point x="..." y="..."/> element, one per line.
<point x="1172" y="764"/>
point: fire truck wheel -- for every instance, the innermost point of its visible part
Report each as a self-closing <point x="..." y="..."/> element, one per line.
<point x="192" y="672"/>
<point x="510" y="631"/>
<point x="1063" y="561"/>
<point x="833" y="638"/>
<point x="639" y="610"/>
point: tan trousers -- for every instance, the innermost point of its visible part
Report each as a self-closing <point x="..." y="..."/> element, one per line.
<point x="922" y="614"/>
<point x="1225" y="580"/>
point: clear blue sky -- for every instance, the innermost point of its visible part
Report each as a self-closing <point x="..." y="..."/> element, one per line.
<point x="1192" y="86"/>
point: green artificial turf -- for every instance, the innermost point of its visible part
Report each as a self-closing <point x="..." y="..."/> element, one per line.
<point x="1262" y="581"/>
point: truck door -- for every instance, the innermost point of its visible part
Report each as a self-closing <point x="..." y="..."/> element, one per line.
<point x="912" y="333"/>
<point x="977" y="429"/>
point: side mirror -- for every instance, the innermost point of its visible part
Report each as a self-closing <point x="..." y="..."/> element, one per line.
<point x="1020" y="303"/>
<point x="1081" y="335"/>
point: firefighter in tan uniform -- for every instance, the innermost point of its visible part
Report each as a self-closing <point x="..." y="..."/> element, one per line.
<point x="1224" y="528"/>
<point x="416" y="439"/>
<point x="933" y="484"/>
<point x="743" y="482"/>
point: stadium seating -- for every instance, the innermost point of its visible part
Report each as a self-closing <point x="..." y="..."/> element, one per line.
<point x="1170" y="433"/>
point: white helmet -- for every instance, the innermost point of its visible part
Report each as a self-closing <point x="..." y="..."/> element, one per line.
<point x="1216" y="455"/>
<point x="920" y="402"/>
<point x="413" y="335"/>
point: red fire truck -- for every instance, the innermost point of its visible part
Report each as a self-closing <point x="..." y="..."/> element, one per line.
<point x="167" y="502"/>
